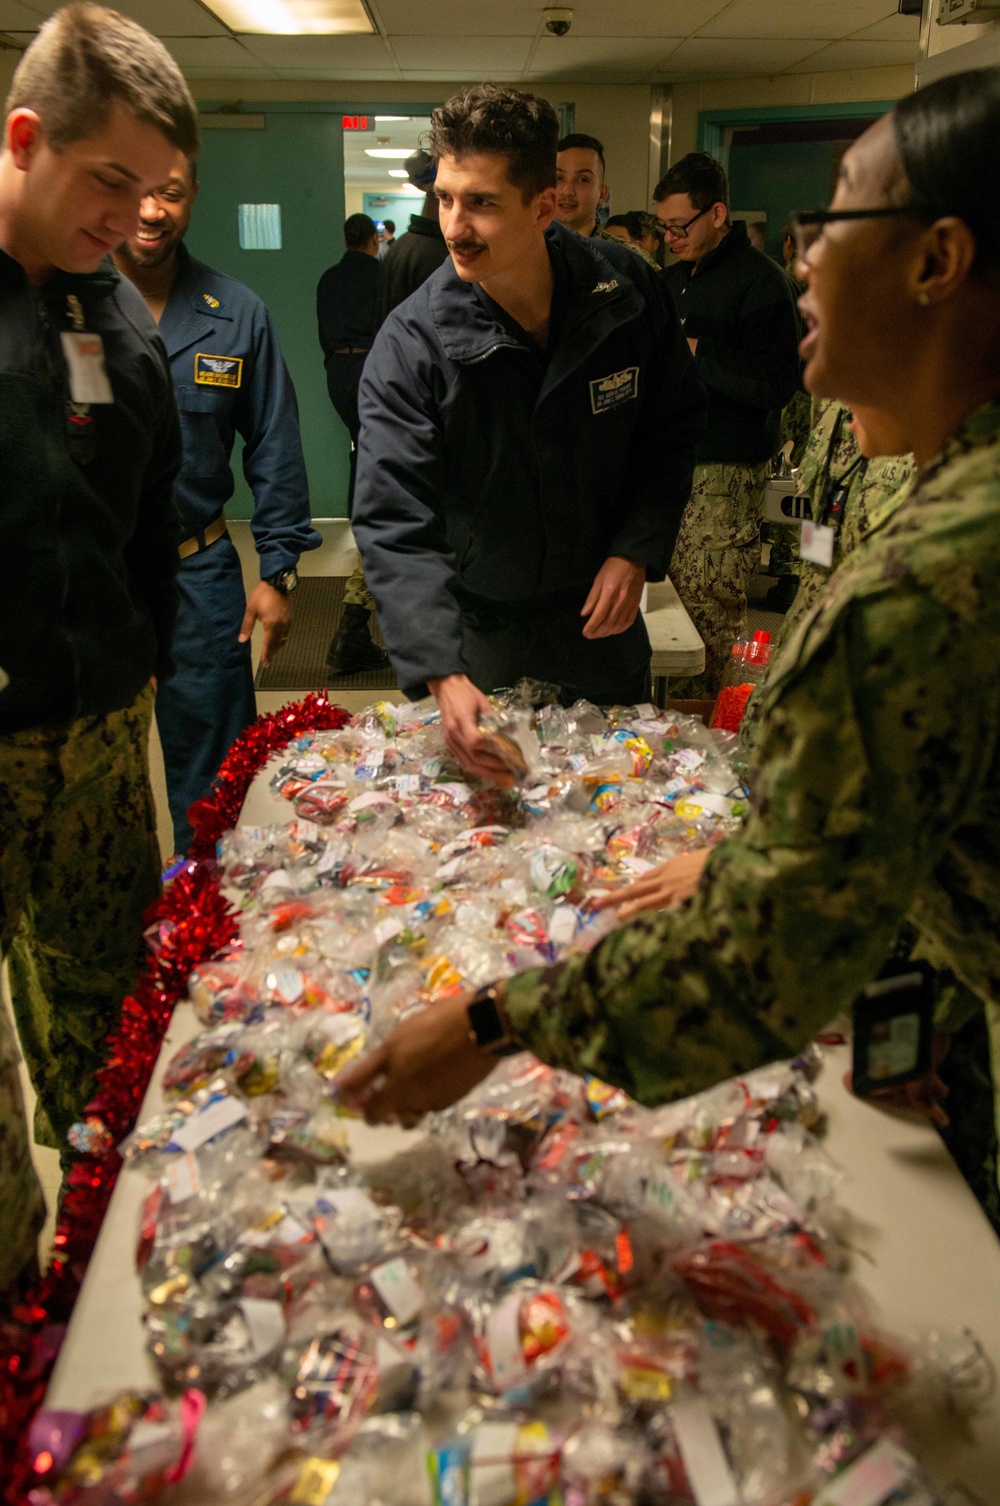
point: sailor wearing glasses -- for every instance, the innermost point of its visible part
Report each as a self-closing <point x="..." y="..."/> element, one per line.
<point x="739" y="318"/>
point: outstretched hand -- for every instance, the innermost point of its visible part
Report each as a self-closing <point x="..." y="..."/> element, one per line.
<point x="660" y="889"/>
<point x="461" y="705"/>
<point x="428" y="1063"/>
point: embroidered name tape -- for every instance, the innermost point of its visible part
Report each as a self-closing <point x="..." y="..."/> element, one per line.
<point x="218" y="371"/>
<point x="608" y="392"/>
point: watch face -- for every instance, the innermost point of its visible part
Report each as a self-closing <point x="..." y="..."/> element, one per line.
<point x="290" y="581"/>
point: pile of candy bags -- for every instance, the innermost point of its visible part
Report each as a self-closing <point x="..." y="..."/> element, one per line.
<point x="549" y="1294"/>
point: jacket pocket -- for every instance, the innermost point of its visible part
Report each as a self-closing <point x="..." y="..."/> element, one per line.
<point x="204" y="452"/>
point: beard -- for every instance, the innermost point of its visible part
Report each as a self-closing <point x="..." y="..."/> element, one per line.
<point x="148" y="257"/>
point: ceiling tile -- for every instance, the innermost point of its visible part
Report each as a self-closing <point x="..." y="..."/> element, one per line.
<point x="825" y="19"/>
<point x="859" y="55"/>
<point x="482" y="56"/>
<point x="334" y="53"/>
<point x="173" y="18"/>
<point x="642" y="18"/>
<point x="746" y="55"/>
<point x="893" y="29"/>
<point x="385" y="70"/>
<point x="257" y="72"/>
<point x="460" y="18"/>
<point x="209" y="52"/>
<point x="554" y="57"/>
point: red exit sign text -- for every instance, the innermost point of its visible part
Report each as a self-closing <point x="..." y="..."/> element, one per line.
<point x="358" y="122"/>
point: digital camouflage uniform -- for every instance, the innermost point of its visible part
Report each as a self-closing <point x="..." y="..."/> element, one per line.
<point x="79" y="864"/>
<point x="23" y="1204"/>
<point x="877" y="489"/>
<point x="356" y="592"/>
<point x="875" y="800"/>
<point x="717" y="555"/>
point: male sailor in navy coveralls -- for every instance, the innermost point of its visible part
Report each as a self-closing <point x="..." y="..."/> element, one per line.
<point x="229" y="378"/>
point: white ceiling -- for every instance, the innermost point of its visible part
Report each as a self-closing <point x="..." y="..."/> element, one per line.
<point x="620" y="41"/>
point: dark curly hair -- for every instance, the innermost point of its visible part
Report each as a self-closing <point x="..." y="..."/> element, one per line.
<point x="494" y="120"/>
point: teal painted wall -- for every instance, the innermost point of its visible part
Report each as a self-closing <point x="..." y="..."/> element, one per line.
<point x="780" y="178"/>
<point x="297" y="161"/>
<point x="398" y="207"/>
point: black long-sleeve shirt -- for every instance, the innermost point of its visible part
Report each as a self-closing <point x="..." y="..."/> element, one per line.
<point x="88" y="529"/>
<point x="738" y="305"/>
<point x="345" y="302"/>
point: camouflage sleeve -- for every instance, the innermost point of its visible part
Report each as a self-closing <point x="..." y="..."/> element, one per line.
<point x="863" y="766"/>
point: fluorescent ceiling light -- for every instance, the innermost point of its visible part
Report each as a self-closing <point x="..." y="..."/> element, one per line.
<point x="390" y="153"/>
<point x="291" y="18"/>
<point x="393" y="117"/>
<point x="397" y="172"/>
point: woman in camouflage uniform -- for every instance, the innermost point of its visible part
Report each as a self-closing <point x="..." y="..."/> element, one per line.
<point x="876" y="781"/>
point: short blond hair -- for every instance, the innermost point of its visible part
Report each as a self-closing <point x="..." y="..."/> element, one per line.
<point x="84" y="60"/>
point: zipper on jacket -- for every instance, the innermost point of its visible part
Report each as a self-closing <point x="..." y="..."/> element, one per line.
<point x="502" y="345"/>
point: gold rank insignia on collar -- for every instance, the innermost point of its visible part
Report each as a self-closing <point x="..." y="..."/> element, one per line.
<point x="605" y="287"/>
<point x="218" y="371"/>
<point x="212" y="302"/>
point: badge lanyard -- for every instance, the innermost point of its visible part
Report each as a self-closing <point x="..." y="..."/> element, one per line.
<point x="819" y="533"/>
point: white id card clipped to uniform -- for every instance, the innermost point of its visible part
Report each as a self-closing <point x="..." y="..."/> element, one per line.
<point x="816" y="543"/>
<point x="88" y="377"/>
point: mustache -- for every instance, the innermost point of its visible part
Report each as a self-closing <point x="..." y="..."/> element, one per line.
<point x="466" y="246"/>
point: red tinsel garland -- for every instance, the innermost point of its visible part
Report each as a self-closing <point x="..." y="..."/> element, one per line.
<point x="188" y="924"/>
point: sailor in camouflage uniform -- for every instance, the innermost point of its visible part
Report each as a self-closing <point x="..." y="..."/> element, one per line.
<point x="876" y="780"/>
<point x="740" y="321"/>
<point x="875" y="487"/>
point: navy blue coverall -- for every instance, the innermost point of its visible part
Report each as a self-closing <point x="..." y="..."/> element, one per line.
<point x="229" y="378"/>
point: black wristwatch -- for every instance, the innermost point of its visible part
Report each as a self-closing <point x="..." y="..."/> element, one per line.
<point x="284" y="581"/>
<point x="487" y="1027"/>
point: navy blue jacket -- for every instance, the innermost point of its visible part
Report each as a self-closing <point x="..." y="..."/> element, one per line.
<point x="486" y="469"/>
<point x="88" y="531"/>
<point x="230" y="378"/>
<point x="737" y="303"/>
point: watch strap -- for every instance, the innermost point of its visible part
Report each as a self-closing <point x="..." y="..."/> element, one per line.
<point x="488" y="1028"/>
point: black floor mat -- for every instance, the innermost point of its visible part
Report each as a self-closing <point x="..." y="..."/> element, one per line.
<point x="301" y="664"/>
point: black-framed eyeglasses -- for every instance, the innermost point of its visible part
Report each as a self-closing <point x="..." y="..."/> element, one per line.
<point x="808" y="226"/>
<point x="677" y="232"/>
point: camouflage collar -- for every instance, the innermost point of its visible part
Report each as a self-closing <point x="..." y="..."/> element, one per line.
<point x="980" y="428"/>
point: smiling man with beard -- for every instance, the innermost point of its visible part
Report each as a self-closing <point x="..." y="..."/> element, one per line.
<point x="528" y="424"/>
<point x="229" y="378"/>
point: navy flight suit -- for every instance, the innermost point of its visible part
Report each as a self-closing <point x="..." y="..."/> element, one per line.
<point x="229" y="378"/>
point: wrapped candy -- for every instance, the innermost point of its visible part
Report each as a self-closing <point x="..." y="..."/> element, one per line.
<point x="604" y="1295"/>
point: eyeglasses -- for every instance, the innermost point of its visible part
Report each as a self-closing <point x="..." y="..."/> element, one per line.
<point x="677" y="232"/>
<point x="808" y="227"/>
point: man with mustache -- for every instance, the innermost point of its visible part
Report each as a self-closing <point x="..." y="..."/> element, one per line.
<point x="528" y="424"/>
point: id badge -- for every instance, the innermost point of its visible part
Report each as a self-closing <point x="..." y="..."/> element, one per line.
<point x="893" y="1023"/>
<point x="816" y="543"/>
<point x="88" y="377"/>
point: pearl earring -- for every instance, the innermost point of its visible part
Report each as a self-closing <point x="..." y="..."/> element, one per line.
<point x="924" y="300"/>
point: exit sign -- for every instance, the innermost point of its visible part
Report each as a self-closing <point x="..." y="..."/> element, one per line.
<point x="358" y="122"/>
